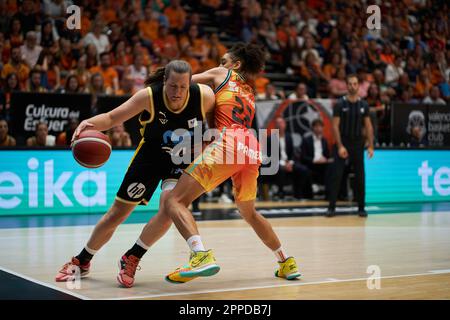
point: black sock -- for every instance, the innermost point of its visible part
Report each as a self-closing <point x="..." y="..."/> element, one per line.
<point x="84" y="257"/>
<point x="136" y="251"/>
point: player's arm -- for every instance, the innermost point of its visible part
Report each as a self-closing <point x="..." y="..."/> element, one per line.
<point x="104" y="121"/>
<point x="212" y="77"/>
<point x="342" y="151"/>
<point x="208" y="102"/>
<point x="369" y="130"/>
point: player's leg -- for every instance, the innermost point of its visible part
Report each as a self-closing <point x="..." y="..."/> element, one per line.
<point x="178" y="201"/>
<point x="202" y="262"/>
<point x="152" y="232"/>
<point x="103" y="231"/>
<point x="245" y="188"/>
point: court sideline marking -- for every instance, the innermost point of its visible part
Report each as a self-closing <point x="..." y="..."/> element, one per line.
<point x="276" y="286"/>
<point x="329" y="280"/>
<point x="66" y="291"/>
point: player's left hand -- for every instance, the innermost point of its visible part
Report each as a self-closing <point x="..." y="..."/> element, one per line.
<point x="370" y="152"/>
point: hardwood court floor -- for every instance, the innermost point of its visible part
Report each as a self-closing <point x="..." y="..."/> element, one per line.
<point x="412" y="252"/>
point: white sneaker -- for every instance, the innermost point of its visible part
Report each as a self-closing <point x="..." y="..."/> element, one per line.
<point x="225" y="199"/>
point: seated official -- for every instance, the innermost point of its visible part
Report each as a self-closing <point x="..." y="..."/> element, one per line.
<point x="290" y="169"/>
<point x="315" y="153"/>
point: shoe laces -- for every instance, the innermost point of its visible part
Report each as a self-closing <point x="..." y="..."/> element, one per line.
<point x="131" y="265"/>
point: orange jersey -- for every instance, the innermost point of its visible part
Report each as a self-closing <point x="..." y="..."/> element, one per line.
<point x="235" y="102"/>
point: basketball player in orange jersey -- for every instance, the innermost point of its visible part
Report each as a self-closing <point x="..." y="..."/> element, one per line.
<point x="234" y="112"/>
<point x="169" y="102"/>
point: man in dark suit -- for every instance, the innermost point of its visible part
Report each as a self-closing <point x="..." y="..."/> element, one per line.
<point x="290" y="168"/>
<point x="315" y="153"/>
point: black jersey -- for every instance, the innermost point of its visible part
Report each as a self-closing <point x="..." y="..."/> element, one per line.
<point x="159" y="126"/>
<point x="152" y="161"/>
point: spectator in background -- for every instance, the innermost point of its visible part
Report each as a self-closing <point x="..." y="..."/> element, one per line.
<point x="27" y="16"/>
<point x="376" y="108"/>
<point x="315" y="153"/>
<point x="131" y="27"/>
<point x="5" y="139"/>
<point x="41" y="137"/>
<point x="364" y="83"/>
<point x="11" y="85"/>
<point x="137" y="72"/>
<point x="56" y="10"/>
<point x="394" y="71"/>
<point x="271" y="93"/>
<point x="434" y="97"/>
<point x="109" y="74"/>
<point x="65" y="137"/>
<point x="373" y="55"/>
<point x="148" y="27"/>
<point x="166" y="45"/>
<point x="82" y="74"/>
<point x="119" y="137"/>
<point x="194" y="20"/>
<point x="30" y="51"/>
<point x="423" y="84"/>
<point x="216" y="52"/>
<point x="67" y="61"/>
<point x="15" y="65"/>
<point x="338" y="84"/>
<point x="35" y="82"/>
<point x="121" y="57"/>
<point x="312" y="73"/>
<point x="333" y="66"/>
<point x="177" y="17"/>
<point x="126" y="86"/>
<point x="260" y="84"/>
<point x="407" y="96"/>
<point x="198" y="48"/>
<point x="48" y="37"/>
<point x="403" y="84"/>
<point x="15" y="35"/>
<point x="300" y="92"/>
<point x="97" y="85"/>
<point x="72" y="85"/>
<point x="412" y="68"/>
<point x="286" y="156"/>
<point x="97" y="38"/>
<point x="50" y="70"/>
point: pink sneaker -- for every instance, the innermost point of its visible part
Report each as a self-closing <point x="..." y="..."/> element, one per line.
<point x="70" y="269"/>
<point x="127" y="270"/>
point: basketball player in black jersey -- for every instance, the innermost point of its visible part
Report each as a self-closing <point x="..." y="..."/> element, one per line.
<point x="169" y="102"/>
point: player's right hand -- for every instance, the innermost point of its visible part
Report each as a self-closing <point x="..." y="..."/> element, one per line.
<point x="343" y="152"/>
<point x="81" y="127"/>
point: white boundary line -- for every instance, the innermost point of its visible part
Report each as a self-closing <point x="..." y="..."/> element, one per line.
<point x="45" y="284"/>
<point x="269" y="286"/>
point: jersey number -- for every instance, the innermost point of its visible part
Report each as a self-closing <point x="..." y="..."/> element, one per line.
<point x="239" y="115"/>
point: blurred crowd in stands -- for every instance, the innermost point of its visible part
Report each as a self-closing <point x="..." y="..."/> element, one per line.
<point x="315" y="42"/>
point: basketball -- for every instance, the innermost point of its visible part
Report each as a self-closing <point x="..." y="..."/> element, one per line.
<point x="91" y="149"/>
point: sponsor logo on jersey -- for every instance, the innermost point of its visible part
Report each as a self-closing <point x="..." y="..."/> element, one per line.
<point x="163" y="119"/>
<point x="135" y="190"/>
<point x="192" y="123"/>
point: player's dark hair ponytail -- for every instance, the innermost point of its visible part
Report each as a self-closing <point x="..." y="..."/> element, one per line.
<point x="251" y="56"/>
<point x="178" y="66"/>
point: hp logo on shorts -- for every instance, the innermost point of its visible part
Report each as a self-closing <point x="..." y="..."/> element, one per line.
<point x="135" y="190"/>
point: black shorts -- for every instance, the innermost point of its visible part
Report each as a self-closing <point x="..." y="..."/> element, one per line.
<point x="144" y="173"/>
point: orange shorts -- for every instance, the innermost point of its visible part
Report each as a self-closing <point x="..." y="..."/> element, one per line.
<point x="235" y="154"/>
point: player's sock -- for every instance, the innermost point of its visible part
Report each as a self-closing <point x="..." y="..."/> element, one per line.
<point x="86" y="255"/>
<point x="195" y="243"/>
<point x="280" y="254"/>
<point x="138" y="250"/>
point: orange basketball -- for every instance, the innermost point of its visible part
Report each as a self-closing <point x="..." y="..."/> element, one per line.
<point x="91" y="149"/>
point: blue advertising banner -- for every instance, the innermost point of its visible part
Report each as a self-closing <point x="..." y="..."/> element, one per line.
<point x="408" y="176"/>
<point x="52" y="182"/>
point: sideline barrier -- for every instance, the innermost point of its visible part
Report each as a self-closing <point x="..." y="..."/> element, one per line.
<point x="51" y="182"/>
